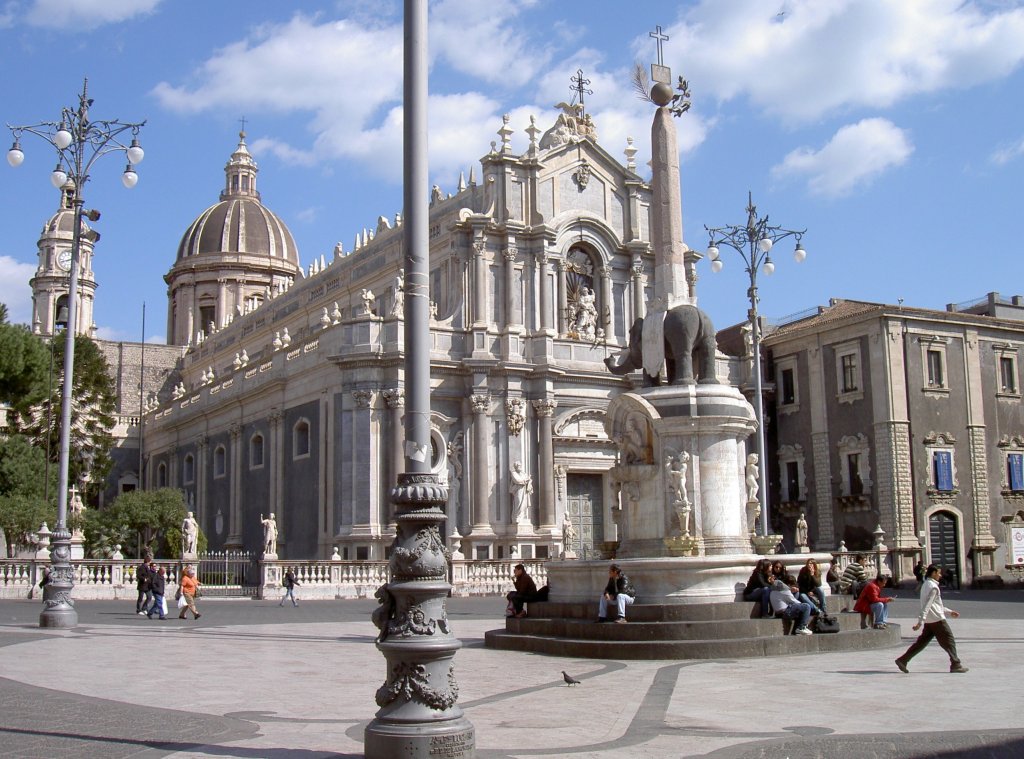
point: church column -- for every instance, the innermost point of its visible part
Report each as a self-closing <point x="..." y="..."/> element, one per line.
<point x="235" y="496"/>
<point x="606" y="315"/>
<point x="394" y="398"/>
<point x="637" y="284"/>
<point x="277" y="454"/>
<point x="222" y="299"/>
<point x="544" y="409"/>
<point x="563" y="299"/>
<point x="510" y="289"/>
<point x="481" y="468"/>
<point x="202" y="447"/>
<point x="545" y="291"/>
<point x="479" y="283"/>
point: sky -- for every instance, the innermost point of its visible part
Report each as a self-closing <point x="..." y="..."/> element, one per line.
<point x="891" y="130"/>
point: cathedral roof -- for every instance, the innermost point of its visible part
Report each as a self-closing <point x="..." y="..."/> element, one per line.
<point x="239" y="224"/>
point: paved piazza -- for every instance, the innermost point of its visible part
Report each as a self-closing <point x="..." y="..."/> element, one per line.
<point x="252" y="679"/>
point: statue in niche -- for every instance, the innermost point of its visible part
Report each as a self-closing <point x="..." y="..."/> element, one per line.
<point x="368" y="298"/>
<point x="751" y="478"/>
<point x="633" y="443"/>
<point x="521" y="487"/>
<point x="586" y="314"/>
<point x="269" y="535"/>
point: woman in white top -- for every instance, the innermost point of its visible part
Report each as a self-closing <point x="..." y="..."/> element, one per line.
<point x="933" y="617"/>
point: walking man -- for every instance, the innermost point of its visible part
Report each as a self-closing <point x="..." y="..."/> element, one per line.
<point x="289" y="588"/>
<point x="933" y="617"/>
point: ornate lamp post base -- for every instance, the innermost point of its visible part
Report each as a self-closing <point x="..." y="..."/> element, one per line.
<point x="418" y="714"/>
<point x="58" y="608"/>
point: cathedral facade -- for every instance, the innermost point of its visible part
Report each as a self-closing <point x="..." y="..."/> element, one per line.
<point x="289" y="397"/>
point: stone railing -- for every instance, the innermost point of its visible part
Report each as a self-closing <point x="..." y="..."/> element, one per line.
<point x="331" y="579"/>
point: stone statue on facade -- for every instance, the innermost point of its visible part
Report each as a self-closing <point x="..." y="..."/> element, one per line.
<point x="269" y="535"/>
<point x="676" y="466"/>
<point x="189" y="535"/>
<point x="801" y="534"/>
<point x="521" y="487"/>
<point x="568" y="535"/>
<point x="398" y="309"/>
<point x="454" y="483"/>
<point x="368" y="298"/>
<point x="586" y="314"/>
<point x="633" y="444"/>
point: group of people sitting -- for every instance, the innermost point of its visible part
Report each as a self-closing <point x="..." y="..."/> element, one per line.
<point x="781" y="595"/>
<point x="618" y="593"/>
<point x="803" y="597"/>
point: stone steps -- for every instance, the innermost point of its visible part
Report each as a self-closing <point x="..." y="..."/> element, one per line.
<point x="671" y="631"/>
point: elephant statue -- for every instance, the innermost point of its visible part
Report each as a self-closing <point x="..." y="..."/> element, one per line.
<point x="688" y="332"/>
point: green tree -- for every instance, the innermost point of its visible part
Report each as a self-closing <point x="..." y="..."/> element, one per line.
<point x="139" y="520"/>
<point x="93" y="405"/>
<point x="22" y="481"/>
<point x="24" y="365"/>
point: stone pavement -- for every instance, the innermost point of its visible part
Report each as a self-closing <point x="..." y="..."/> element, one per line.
<point x="251" y="679"/>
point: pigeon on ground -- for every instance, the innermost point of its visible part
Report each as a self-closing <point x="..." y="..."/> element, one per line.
<point x="569" y="679"/>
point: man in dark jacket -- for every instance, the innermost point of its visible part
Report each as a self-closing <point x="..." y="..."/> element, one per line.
<point x="525" y="592"/>
<point x="143" y="585"/>
<point x="156" y="579"/>
<point x="618" y="591"/>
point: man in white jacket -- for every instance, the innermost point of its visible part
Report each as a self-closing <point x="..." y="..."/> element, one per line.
<point x="933" y="617"/>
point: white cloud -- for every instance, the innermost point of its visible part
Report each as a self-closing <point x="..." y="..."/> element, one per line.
<point x="84" y="15"/>
<point x="14" y="289"/>
<point x="856" y="155"/>
<point x="1008" y="153"/>
<point x="823" y="57"/>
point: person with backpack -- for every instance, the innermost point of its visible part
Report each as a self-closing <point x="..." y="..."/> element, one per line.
<point x="618" y="591"/>
<point x="289" y="588"/>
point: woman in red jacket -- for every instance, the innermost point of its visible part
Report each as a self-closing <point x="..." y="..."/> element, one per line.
<point x="871" y="601"/>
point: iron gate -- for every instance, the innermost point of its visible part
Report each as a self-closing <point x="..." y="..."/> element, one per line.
<point x="229" y="573"/>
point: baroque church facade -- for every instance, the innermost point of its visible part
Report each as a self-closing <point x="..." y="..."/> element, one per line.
<point x="281" y="388"/>
<point x="288" y="398"/>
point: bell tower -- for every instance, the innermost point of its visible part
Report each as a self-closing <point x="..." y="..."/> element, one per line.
<point x="50" y="283"/>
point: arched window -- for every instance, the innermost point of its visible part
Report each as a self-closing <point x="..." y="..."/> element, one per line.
<point x="161" y="475"/>
<point x="219" y="461"/>
<point x="188" y="474"/>
<point x="300" y="439"/>
<point x="256" y="452"/>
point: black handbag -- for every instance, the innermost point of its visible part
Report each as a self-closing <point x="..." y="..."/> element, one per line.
<point x="826" y="624"/>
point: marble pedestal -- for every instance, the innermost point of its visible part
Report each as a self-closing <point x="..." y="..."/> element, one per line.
<point x="710" y="424"/>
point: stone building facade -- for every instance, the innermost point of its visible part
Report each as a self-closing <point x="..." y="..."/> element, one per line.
<point x="292" y="403"/>
<point x="906" y="418"/>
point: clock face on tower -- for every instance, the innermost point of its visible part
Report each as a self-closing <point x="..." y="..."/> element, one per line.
<point x="64" y="259"/>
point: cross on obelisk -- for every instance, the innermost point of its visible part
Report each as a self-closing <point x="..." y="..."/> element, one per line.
<point x="674" y="262"/>
<point x="659" y="71"/>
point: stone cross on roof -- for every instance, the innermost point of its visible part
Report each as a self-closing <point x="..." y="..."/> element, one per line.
<point x="579" y="88"/>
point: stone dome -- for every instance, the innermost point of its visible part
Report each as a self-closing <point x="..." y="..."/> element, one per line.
<point x="239" y="224"/>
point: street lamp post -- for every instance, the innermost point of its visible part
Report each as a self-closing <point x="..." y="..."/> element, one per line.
<point x="754" y="243"/>
<point x="61" y="320"/>
<point x="79" y="142"/>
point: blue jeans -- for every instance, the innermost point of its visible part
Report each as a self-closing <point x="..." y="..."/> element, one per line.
<point x="158" y="607"/>
<point x="764" y="596"/>
<point x="289" y="593"/>
<point x="621" y="601"/>
<point x="818" y="600"/>
<point x="880" y="611"/>
<point x="799" y="612"/>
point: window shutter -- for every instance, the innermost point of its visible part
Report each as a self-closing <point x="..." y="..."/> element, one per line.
<point x="943" y="470"/>
<point x="1015" y="464"/>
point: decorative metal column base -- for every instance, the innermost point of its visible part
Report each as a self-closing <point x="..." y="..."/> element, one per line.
<point x="58" y="608"/>
<point x="418" y="715"/>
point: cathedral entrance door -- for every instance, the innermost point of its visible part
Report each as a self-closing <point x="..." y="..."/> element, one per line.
<point x="586" y="509"/>
<point x="943" y="543"/>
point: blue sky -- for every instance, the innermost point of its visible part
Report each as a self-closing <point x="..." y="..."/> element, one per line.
<point x="891" y="130"/>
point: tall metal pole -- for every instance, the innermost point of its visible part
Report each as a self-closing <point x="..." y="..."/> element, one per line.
<point x="418" y="715"/>
<point x="754" y="241"/>
<point x="142" y="391"/>
<point x="79" y="142"/>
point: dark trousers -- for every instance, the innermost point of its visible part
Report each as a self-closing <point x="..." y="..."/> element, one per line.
<point x="941" y="632"/>
<point x="143" y="600"/>
<point x="518" y="599"/>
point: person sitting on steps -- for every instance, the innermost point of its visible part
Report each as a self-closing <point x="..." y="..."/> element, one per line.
<point x="525" y="592"/>
<point x="853" y="579"/>
<point x="873" y="604"/>
<point x="758" y="588"/>
<point x="618" y="591"/>
<point x="787" y="607"/>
